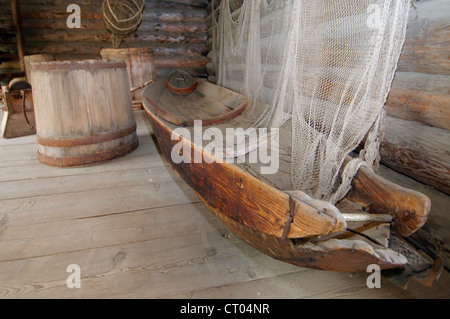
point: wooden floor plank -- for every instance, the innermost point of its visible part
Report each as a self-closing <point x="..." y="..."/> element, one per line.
<point x="34" y="240"/>
<point x="67" y="206"/>
<point x="147" y="269"/>
<point x="138" y="231"/>
<point x="23" y="150"/>
<point x="317" y="284"/>
<point x="37" y="170"/>
<point x="85" y="182"/>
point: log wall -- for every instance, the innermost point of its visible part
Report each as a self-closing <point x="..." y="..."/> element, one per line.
<point x="10" y="37"/>
<point x="417" y="141"/>
<point x="418" y="106"/>
<point x="177" y="30"/>
<point x="174" y="29"/>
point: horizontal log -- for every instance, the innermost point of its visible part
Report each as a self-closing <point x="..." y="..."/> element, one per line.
<point x="332" y="11"/>
<point x="57" y="2"/>
<point x="59" y="12"/>
<point x="174" y="15"/>
<point x="95" y="13"/>
<point x="92" y="24"/>
<point x="98" y="3"/>
<point x="5" y="24"/>
<point x="420" y="106"/>
<point x="332" y="51"/>
<point x="162" y="72"/>
<point x="7" y="36"/>
<point x="162" y="69"/>
<point x="169" y="49"/>
<point x="180" y="61"/>
<point x="427" y="44"/>
<point x="94" y="49"/>
<point x="195" y="3"/>
<point x="169" y="37"/>
<point x="425" y="82"/>
<point x="7" y="31"/>
<point x="70" y="35"/>
<point x="8" y="48"/>
<point x="10" y="65"/>
<point x="333" y="82"/>
<point x="6" y="11"/>
<point x="423" y="98"/>
<point x="61" y="48"/>
<point x="42" y="35"/>
<point x="174" y="27"/>
<point x="426" y="48"/>
<point x="52" y="24"/>
<point x="419" y="151"/>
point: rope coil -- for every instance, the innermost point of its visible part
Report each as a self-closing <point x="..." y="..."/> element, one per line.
<point x="122" y="18"/>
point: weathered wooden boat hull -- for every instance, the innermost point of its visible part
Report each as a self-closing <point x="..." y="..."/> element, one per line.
<point x="337" y="255"/>
<point x="287" y="225"/>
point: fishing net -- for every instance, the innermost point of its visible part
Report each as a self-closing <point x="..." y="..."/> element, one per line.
<point x="122" y="18"/>
<point x="324" y="65"/>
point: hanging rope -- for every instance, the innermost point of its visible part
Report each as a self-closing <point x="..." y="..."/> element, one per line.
<point x="122" y="18"/>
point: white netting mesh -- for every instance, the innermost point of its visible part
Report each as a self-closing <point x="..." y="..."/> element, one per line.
<point x="327" y="65"/>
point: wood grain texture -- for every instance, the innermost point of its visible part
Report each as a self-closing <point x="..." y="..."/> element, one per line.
<point x="19" y="119"/>
<point x="409" y="208"/>
<point x="419" y="151"/>
<point x="239" y="196"/>
<point x="254" y="225"/>
<point x="164" y="25"/>
<point x="140" y="65"/>
<point x="129" y="244"/>
<point x="427" y="46"/>
<point x="420" y="97"/>
<point x="83" y="111"/>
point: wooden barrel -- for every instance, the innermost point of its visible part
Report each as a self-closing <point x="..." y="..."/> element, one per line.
<point x="83" y="111"/>
<point x="140" y="65"/>
<point x="28" y="59"/>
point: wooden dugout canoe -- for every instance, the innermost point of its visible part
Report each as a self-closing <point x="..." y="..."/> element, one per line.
<point x="261" y="209"/>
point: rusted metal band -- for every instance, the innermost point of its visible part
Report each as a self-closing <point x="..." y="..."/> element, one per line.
<point x="94" y="139"/>
<point x="88" y="159"/>
<point x="77" y="65"/>
<point x="290" y="218"/>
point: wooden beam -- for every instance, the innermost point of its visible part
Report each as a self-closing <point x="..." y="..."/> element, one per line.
<point x="427" y="45"/>
<point x="18" y="24"/>
<point x="195" y="3"/>
<point x="420" y="97"/>
<point x="419" y="151"/>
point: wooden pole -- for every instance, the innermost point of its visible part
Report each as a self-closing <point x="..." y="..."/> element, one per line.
<point x="18" y="24"/>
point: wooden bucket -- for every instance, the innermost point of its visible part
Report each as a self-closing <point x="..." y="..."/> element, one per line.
<point x="83" y="111"/>
<point x="140" y="66"/>
<point x="28" y="59"/>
